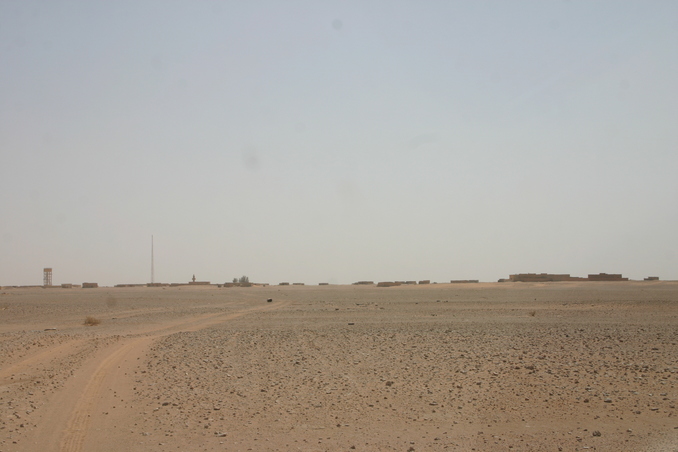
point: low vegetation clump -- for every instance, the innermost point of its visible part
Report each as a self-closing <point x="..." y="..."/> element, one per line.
<point x="91" y="321"/>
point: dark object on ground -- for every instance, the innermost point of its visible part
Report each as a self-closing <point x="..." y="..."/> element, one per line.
<point x="269" y="300"/>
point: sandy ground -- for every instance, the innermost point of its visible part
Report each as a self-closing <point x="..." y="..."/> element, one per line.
<point x="486" y="367"/>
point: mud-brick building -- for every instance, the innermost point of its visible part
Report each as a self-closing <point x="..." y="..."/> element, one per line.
<point x="606" y="277"/>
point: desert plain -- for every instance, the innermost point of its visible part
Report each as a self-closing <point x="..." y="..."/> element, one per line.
<point x="488" y="367"/>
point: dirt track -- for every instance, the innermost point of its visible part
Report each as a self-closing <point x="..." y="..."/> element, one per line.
<point x="443" y="367"/>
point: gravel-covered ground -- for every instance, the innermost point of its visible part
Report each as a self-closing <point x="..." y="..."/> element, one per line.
<point x="559" y="366"/>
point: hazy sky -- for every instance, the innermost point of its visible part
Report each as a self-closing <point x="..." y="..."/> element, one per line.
<point x="337" y="141"/>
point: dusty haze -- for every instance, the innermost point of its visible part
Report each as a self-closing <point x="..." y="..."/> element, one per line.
<point x="337" y="141"/>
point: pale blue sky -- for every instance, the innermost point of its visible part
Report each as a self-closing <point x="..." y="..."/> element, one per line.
<point x="337" y="141"/>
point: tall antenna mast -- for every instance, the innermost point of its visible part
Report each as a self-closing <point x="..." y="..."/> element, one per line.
<point x="152" y="269"/>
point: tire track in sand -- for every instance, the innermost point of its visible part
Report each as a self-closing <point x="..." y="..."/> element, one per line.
<point x="77" y="427"/>
<point x="24" y="369"/>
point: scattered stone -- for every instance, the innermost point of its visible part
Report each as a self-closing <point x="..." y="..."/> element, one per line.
<point x="471" y="358"/>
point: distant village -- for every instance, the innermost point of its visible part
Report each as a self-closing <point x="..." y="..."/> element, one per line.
<point x="548" y="277"/>
<point x="244" y="281"/>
